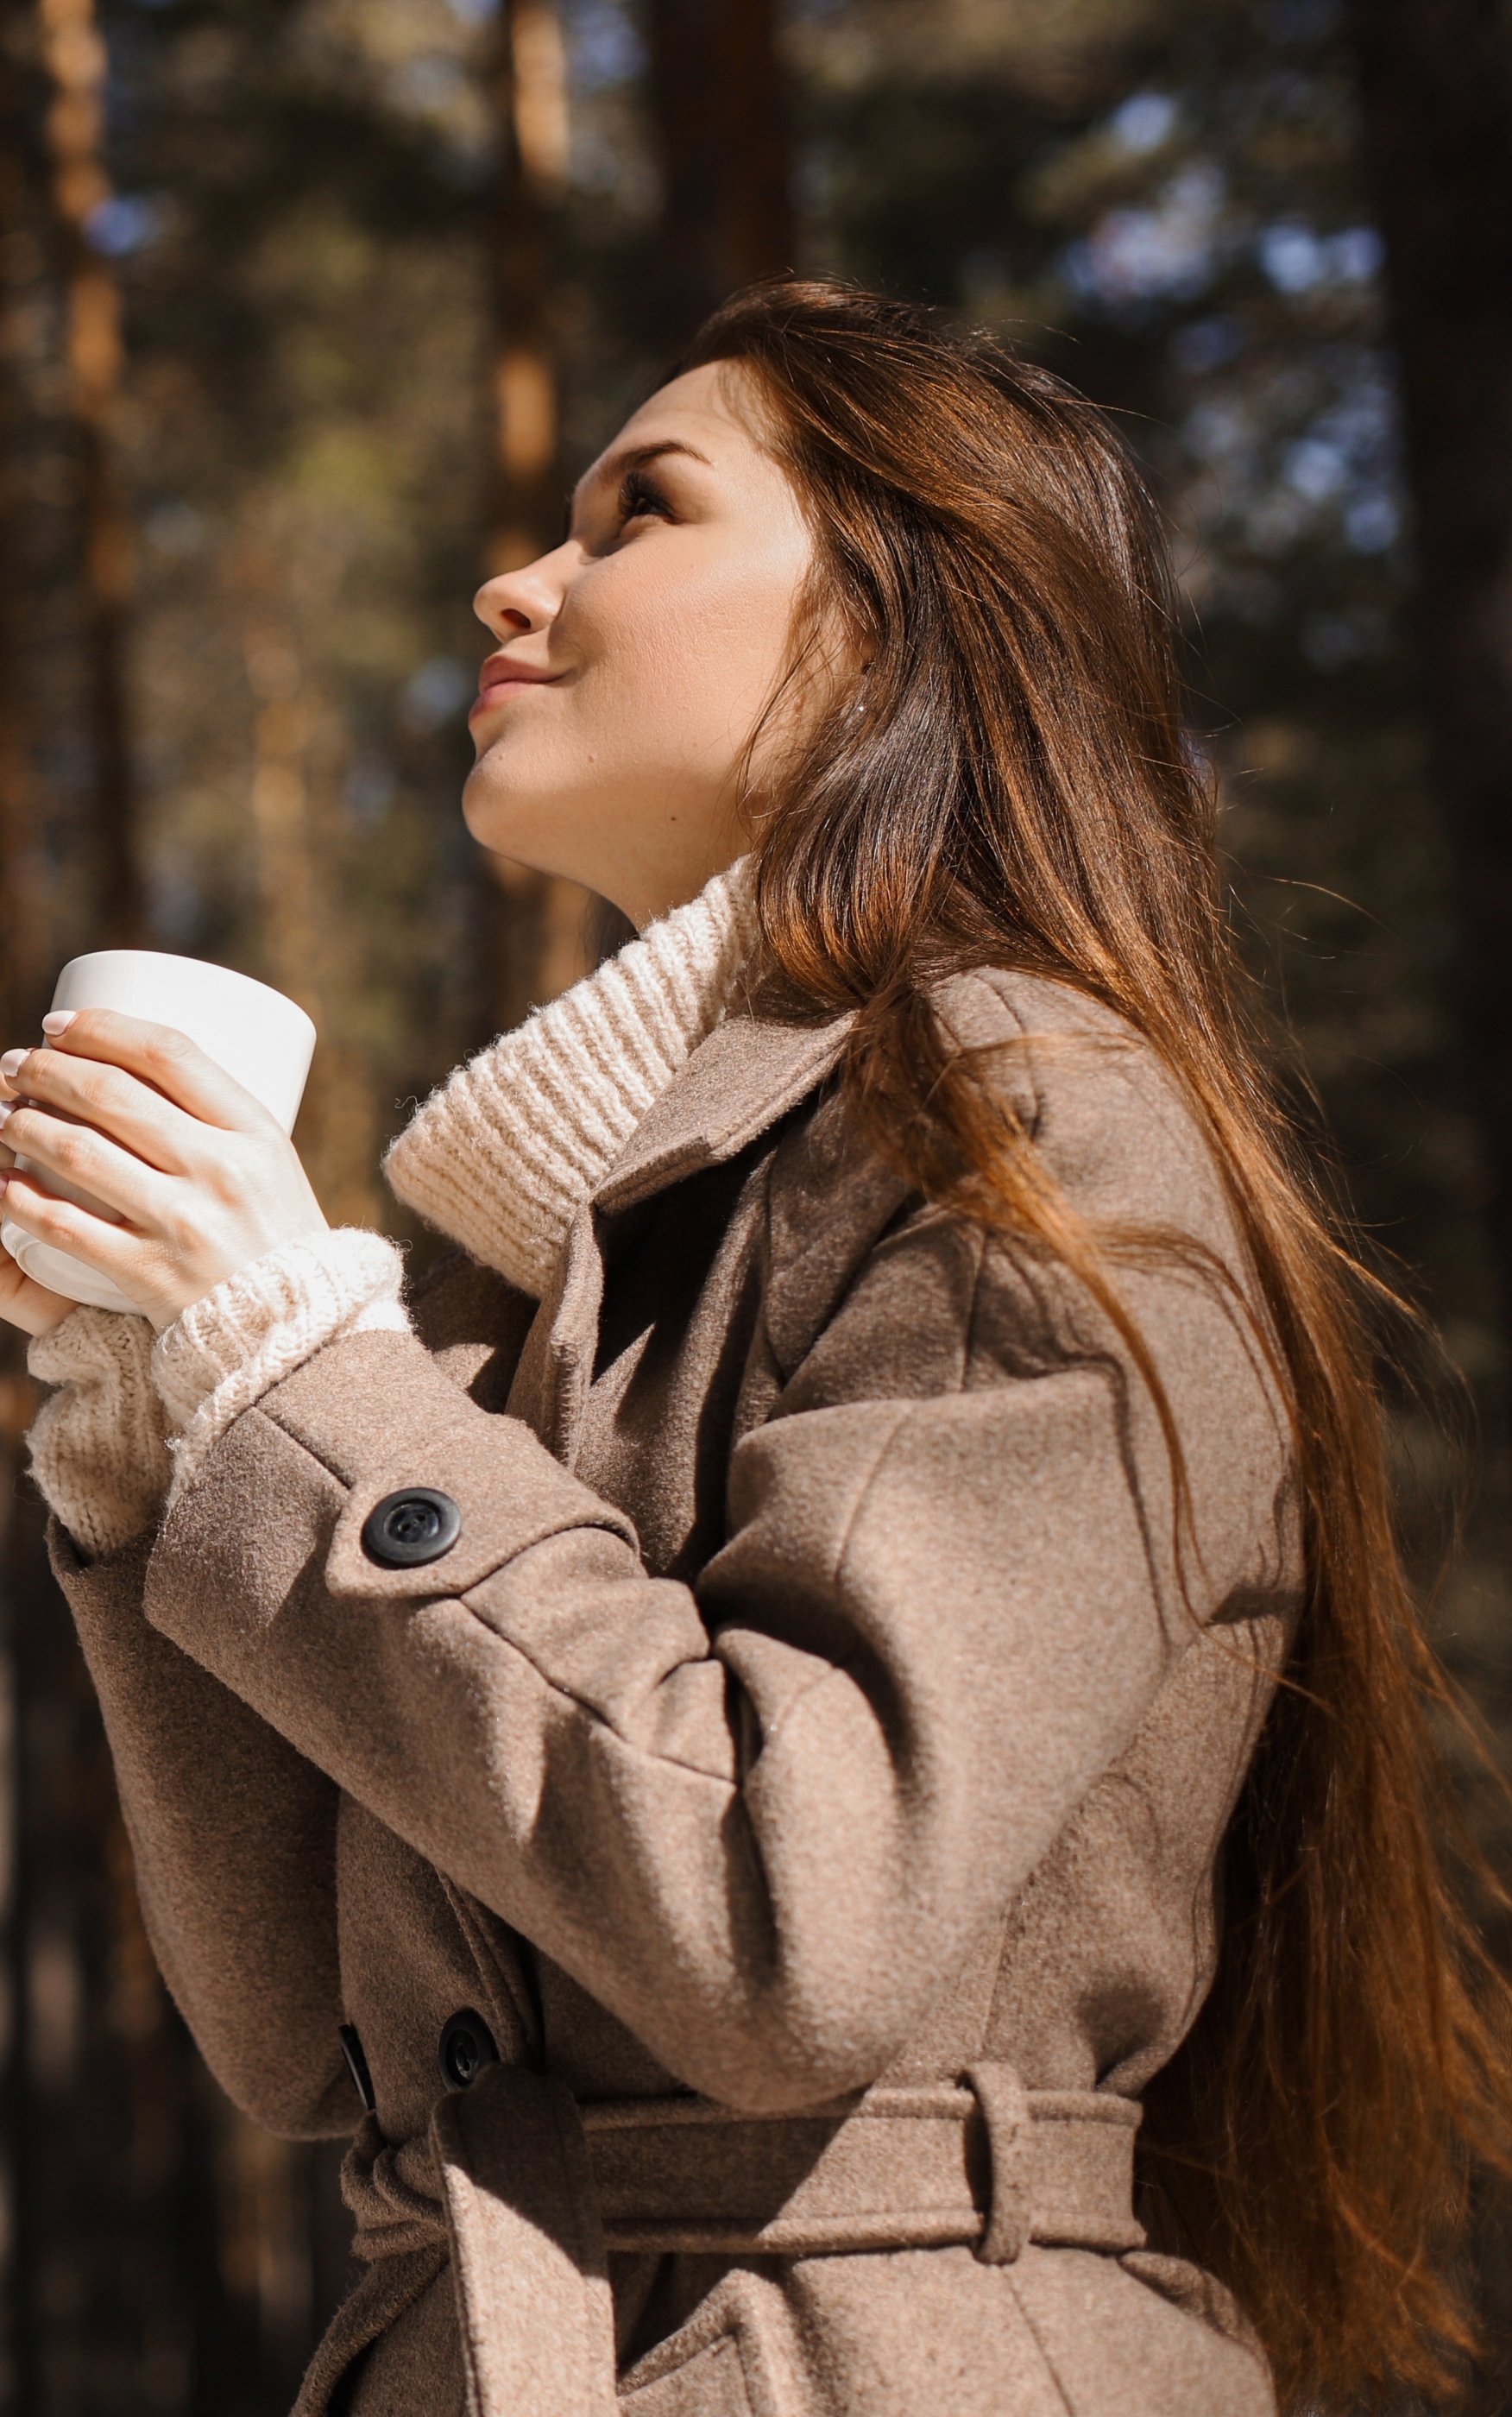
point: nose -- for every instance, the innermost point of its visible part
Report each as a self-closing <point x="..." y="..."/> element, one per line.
<point x="529" y="599"/>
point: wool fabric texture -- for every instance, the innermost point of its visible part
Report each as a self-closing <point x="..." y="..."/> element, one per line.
<point x="810" y="1715"/>
<point x="98" y="1447"/>
<point x="259" y="1325"/>
<point x="502" y="1156"/>
<point x="132" y="1418"/>
<point x="810" y="1709"/>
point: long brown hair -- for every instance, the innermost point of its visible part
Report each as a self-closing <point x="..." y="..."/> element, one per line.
<point x="1006" y="781"/>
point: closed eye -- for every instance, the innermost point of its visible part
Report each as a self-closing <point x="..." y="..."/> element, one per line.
<point x="639" y="495"/>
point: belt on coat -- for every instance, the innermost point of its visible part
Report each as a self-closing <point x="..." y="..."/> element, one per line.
<point x="535" y="2189"/>
<point x="989" y="2164"/>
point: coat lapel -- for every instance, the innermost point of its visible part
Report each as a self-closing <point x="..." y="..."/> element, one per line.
<point x="747" y="1074"/>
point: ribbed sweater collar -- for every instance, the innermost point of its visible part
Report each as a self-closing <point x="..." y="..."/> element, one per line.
<point x="501" y="1157"/>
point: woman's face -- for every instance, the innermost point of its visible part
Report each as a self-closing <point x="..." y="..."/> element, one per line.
<point x="635" y="660"/>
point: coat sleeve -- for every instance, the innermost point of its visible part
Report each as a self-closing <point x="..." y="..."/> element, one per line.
<point x="234" y="1842"/>
<point x="758" y="1820"/>
<point x="232" y="1830"/>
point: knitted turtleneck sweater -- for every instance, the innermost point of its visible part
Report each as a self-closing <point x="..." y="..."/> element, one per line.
<point x="501" y="1156"/>
<point x="499" y="1159"/>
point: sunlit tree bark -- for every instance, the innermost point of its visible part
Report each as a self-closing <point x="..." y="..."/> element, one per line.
<point x="75" y="56"/>
<point x="532" y="101"/>
<point x="23" y="296"/>
<point x="28" y="315"/>
<point x="306" y="938"/>
<point x="538" y="925"/>
<point x="111" y="2276"/>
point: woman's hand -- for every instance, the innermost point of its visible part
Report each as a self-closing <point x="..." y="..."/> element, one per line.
<point x="201" y="1178"/>
<point x="25" y="1303"/>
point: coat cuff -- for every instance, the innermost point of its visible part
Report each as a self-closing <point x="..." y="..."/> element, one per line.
<point x="249" y="1332"/>
<point x="98" y="1448"/>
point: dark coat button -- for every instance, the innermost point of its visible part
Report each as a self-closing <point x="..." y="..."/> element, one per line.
<point x="357" y="2065"/>
<point x="466" y="2048"/>
<point x="404" y="1530"/>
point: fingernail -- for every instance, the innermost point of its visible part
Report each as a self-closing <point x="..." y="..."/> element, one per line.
<point x="12" y="1062"/>
<point x="58" y="1020"/>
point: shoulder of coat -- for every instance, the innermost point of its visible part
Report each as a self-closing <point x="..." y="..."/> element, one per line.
<point x="1113" y="1122"/>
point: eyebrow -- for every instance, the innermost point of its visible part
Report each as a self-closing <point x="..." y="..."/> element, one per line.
<point x="616" y="466"/>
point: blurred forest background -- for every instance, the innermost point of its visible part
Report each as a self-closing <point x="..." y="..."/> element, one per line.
<point x="308" y="311"/>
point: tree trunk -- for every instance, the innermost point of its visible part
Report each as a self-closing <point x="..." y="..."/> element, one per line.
<point x="111" y="2271"/>
<point x="720" y="108"/>
<point x="28" y="1601"/>
<point x="537" y="925"/>
<point x="75" y="56"/>
<point x="24" y="372"/>
<point x="1436" y="92"/>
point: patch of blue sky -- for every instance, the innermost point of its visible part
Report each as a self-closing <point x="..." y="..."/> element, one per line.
<point x="604" y="46"/>
<point x="124" y="223"/>
<point x="1144" y="122"/>
<point x="1298" y="260"/>
<point x="437" y="691"/>
<point x="1168" y="253"/>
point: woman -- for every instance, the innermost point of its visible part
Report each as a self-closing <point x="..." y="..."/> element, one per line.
<point x="728" y="1705"/>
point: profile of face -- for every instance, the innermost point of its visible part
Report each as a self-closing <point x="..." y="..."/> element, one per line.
<point x="637" y="660"/>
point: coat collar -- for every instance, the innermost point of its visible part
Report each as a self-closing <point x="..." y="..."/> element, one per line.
<point x="502" y="1158"/>
<point x="655" y="1066"/>
<point x="748" y="1073"/>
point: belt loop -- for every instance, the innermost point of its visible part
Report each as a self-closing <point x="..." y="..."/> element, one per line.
<point x="1004" y="2105"/>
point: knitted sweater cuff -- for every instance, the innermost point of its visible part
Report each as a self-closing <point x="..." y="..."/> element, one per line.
<point x="98" y="1447"/>
<point x="229" y="1348"/>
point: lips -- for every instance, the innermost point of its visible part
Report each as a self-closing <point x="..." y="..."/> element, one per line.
<point x="501" y="678"/>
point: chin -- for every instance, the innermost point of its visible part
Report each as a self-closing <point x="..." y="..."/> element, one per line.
<point x="500" y="821"/>
<point x="528" y="832"/>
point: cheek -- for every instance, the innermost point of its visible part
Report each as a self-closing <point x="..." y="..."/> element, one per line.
<point x="698" y="645"/>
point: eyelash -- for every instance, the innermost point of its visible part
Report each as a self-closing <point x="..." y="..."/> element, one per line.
<point x="640" y="494"/>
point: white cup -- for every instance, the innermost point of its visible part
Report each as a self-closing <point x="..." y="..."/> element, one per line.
<point x="261" y="1038"/>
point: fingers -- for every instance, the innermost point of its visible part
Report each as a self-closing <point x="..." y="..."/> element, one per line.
<point x="76" y="1154"/>
<point x="96" y="1042"/>
<point x="129" y="1120"/>
<point x="192" y="1233"/>
<point x="25" y="1304"/>
<point x="73" y="1098"/>
<point x="111" y="1250"/>
<point x="127" y="1105"/>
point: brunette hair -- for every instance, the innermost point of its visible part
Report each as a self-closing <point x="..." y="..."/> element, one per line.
<point x="1006" y="782"/>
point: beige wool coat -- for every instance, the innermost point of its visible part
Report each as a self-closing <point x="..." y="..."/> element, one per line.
<point x="803" y="1770"/>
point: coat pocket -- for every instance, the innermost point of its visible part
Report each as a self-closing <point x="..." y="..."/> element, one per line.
<point x="1122" y="2344"/>
<point x="734" y="2357"/>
